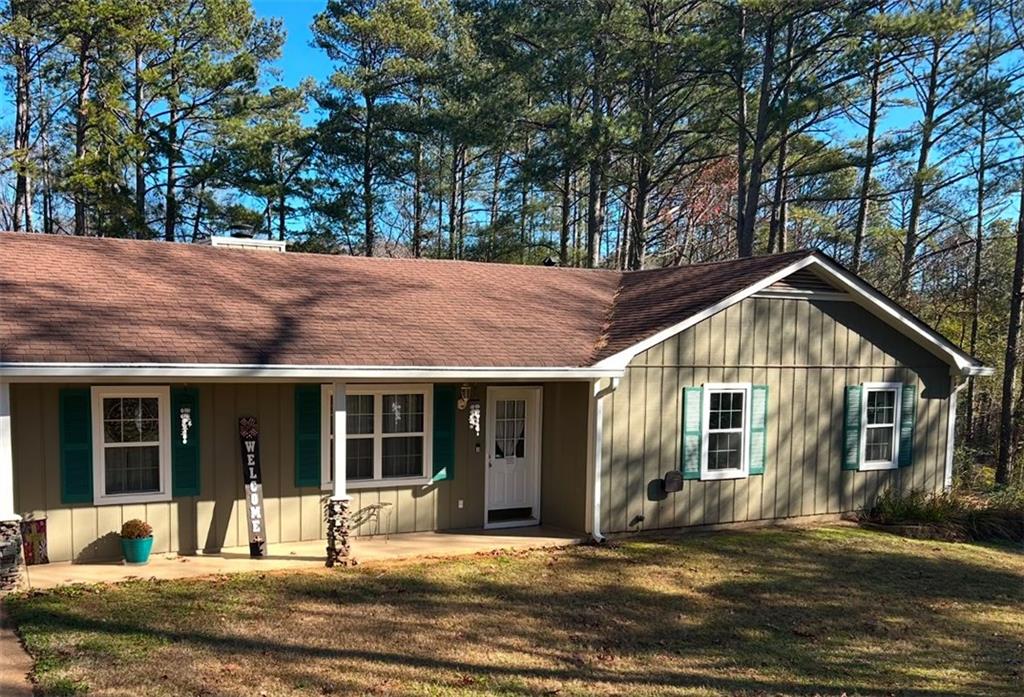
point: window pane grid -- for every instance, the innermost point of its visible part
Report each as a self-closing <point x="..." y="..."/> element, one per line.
<point x="387" y="436"/>
<point x="130" y="445"/>
<point x="880" y="425"/>
<point x="725" y="429"/>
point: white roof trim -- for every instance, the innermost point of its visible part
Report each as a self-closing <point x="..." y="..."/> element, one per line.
<point x="332" y="372"/>
<point x="860" y="292"/>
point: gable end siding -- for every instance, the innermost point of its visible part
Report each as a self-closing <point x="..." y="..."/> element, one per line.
<point x="806" y="351"/>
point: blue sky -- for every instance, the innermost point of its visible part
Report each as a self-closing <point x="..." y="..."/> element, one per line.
<point x="298" y="58"/>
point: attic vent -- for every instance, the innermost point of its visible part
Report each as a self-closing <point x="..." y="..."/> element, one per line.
<point x="240" y="242"/>
<point x="803" y="284"/>
<point x="803" y="280"/>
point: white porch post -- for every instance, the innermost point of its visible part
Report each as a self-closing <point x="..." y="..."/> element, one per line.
<point x="340" y="441"/>
<point x="10" y="522"/>
<point x="6" y="457"/>
<point x="337" y="511"/>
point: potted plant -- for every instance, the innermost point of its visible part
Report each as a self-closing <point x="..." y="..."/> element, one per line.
<point x="136" y="541"/>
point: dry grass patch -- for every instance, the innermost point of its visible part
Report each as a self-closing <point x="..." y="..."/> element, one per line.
<point x="765" y="612"/>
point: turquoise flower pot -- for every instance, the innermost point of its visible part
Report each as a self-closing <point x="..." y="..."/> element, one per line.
<point x="136" y="551"/>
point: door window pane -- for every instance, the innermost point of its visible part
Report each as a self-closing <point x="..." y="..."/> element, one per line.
<point x="510" y="428"/>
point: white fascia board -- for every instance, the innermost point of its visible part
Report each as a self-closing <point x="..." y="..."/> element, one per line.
<point x="861" y="293"/>
<point x="217" y="371"/>
<point x="621" y="359"/>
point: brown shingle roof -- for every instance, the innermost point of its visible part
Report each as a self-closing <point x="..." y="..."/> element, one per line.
<point x="89" y="300"/>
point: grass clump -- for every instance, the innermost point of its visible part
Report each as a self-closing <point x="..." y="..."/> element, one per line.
<point x="955" y="514"/>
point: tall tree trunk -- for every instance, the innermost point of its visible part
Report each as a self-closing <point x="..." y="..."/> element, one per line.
<point x="777" y="227"/>
<point x="864" y="197"/>
<point x="81" y="126"/>
<point x="369" y="234"/>
<point x="563" y="227"/>
<point x="1010" y="361"/>
<point x="439" y="242"/>
<point x="496" y="178"/>
<point x="462" y="203"/>
<point x="22" y="132"/>
<point x="140" y="135"/>
<point x="979" y="228"/>
<point x="417" y="200"/>
<point x="595" y="209"/>
<point x="912" y="239"/>
<point x="282" y="228"/>
<point x="626" y="234"/>
<point x="753" y="192"/>
<point x="417" y="187"/>
<point x="741" y="125"/>
<point x="171" y="176"/>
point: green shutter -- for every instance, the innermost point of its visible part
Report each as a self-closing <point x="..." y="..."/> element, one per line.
<point x="851" y="429"/>
<point x="444" y="432"/>
<point x="75" y="445"/>
<point x="693" y="400"/>
<point x="908" y="414"/>
<point x="184" y="456"/>
<point x="758" y="428"/>
<point x="307" y="435"/>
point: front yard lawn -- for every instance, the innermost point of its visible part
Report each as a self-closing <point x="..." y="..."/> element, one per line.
<point x="766" y="612"/>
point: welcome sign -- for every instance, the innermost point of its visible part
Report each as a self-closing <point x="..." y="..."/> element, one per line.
<point x="252" y="479"/>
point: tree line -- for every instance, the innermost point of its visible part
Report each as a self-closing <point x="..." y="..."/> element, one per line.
<point x="611" y="133"/>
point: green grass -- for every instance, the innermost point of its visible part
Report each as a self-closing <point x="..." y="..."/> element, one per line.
<point x="827" y="611"/>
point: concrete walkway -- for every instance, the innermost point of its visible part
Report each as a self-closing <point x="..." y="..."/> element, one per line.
<point x="299" y="555"/>
<point x="15" y="664"/>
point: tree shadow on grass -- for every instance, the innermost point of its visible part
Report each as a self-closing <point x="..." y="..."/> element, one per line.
<point x="773" y="612"/>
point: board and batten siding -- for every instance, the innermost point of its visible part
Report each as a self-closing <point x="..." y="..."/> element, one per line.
<point x="807" y="352"/>
<point x="215" y="519"/>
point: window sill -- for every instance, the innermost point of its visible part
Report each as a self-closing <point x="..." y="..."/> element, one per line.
<point x="713" y="475"/>
<point x="394" y="483"/>
<point x="130" y="499"/>
<point x="876" y="466"/>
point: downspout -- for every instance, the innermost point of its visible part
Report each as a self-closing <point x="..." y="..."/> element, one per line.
<point x="599" y="394"/>
<point x="954" y="391"/>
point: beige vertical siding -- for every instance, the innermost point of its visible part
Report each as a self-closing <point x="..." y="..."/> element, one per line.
<point x="216" y="518"/>
<point x="806" y="352"/>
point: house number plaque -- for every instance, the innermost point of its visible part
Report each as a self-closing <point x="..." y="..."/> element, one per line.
<point x="252" y="479"/>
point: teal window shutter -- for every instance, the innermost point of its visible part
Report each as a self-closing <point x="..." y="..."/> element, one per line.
<point x="908" y="414"/>
<point x="75" y="445"/>
<point x="184" y="456"/>
<point x="851" y="428"/>
<point x="758" y="428"/>
<point x="693" y="400"/>
<point x="443" y="450"/>
<point x="307" y="435"/>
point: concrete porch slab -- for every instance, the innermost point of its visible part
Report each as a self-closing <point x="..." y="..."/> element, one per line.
<point x="299" y="555"/>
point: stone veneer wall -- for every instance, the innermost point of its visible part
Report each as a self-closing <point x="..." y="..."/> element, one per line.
<point x="10" y="553"/>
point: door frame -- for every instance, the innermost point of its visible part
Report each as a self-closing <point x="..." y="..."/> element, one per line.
<point x="534" y="405"/>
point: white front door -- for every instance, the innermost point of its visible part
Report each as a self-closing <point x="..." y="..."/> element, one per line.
<point x="513" y="456"/>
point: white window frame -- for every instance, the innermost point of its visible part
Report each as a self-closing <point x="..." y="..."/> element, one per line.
<point x="744" y="469"/>
<point x="99" y="484"/>
<point x="874" y="465"/>
<point x="378" y="392"/>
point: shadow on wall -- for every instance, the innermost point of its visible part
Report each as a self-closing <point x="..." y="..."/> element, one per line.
<point x="107" y="547"/>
